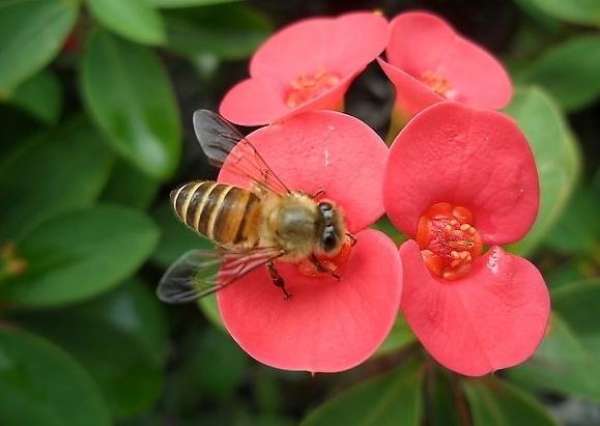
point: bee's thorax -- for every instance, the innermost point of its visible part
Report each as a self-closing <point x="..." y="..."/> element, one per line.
<point x="291" y="222"/>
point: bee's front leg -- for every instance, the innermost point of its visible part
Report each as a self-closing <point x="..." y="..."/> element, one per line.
<point x="277" y="279"/>
<point x="352" y="239"/>
<point x="321" y="268"/>
<point x="319" y="194"/>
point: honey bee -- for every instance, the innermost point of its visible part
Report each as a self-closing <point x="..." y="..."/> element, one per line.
<point x="251" y="227"/>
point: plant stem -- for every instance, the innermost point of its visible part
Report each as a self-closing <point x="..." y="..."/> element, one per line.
<point x="460" y="401"/>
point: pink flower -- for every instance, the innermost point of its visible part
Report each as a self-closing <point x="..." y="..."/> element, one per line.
<point x="428" y="62"/>
<point x="458" y="178"/>
<point x="327" y="325"/>
<point x="306" y="66"/>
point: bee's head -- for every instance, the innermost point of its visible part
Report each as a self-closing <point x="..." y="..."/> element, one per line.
<point x="331" y="228"/>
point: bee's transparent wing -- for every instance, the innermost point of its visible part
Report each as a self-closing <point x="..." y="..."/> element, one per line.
<point x="199" y="273"/>
<point x="218" y="137"/>
<point x="182" y="281"/>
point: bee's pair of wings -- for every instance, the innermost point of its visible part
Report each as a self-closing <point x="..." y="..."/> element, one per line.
<point x="199" y="273"/>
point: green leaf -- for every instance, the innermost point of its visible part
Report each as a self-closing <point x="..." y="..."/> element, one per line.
<point x="59" y="171"/>
<point x="569" y="72"/>
<point x="120" y="339"/>
<point x="496" y="403"/>
<point x="390" y="399"/>
<point x="77" y="255"/>
<point x="41" y="96"/>
<point x="31" y="34"/>
<point x="212" y="367"/>
<point x="17" y="127"/>
<point x="136" y="20"/>
<point x="187" y="3"/>
<point x="579" y="306"/>
<point x="385" y="226"/>
<point x="578" y="229"/>
<point x="130" y="97"/>
<point x="268" y="391"/>
<point x="446" y="409"/>
<point x="148" y="418"/>
<point x="556" y="156"/>
<point x="209" y="307"/>
<point x="136" y="311"/>
<point x="176" y="239"/>
<point x="41" y="385"/>
<point x="129" y="187"/>
<point x="400" y="336"/>
<point x="586" y="12"/>
<point x="538" y="17"/>
<point x="228" y="31"/>
<point x="562" y="363"/>
<point x="570" y="271"/>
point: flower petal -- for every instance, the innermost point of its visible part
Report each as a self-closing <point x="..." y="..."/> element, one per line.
<point x="412" y="95"/>
<point x="494" y="318"/>
<point x="419" y="41"/>
<point x="239" y="104"/>
<point x="423" y="43"/>
<point x="327" y="325"/>
<point x="258" y="101"/>
<point x="329" y="44"/>
<point x="476" y="159"/>
<point x="325" y="151"/>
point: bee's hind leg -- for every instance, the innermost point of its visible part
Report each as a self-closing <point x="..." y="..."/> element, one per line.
<point x="277" y="279"/>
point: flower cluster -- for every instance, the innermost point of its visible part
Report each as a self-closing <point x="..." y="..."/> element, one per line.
<point x="459" y="180"/>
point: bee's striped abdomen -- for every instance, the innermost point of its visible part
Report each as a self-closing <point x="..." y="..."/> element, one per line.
<point x="223" y="213"/>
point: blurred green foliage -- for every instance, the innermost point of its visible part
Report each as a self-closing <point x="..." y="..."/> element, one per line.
<point x="40" y="384"/>
<point x="497" y="403"/>
<point x="390" y="399"/>
<point x="96" y="98"/>
<point x="120" y="338"/>
<point x="556" y="155"/>
<point x="128" y="94"/>
<point x="31" y="34"/>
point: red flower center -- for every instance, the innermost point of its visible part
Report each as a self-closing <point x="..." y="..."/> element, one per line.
<point x="448" y="241"/>
<point x="438" y="84"/>
<point x="309" y="86"/>
<point x="329" y="266"/>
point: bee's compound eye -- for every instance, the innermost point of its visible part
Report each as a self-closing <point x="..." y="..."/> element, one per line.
<point x="325" y="206"/>
<point x="329" y="240"/>
<point x="327" y="212"/>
